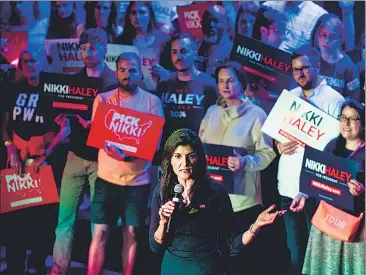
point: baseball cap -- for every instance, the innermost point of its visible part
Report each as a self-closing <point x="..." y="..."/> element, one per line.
<point x="94" y="35"/>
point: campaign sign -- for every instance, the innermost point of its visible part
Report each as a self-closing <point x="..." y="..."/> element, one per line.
<point x="325" y="176"/>
<point x="11" y="44"/>
<point x="135" y="133"/>
<point x="149" y="57"/>
<point x="264" y="62"/>
<point x="292" y="118"/>
<point x="65" y="56"/>
<point x="216" y="157"/>
<point x="68" y="94"/>
<point x="190" y="18"/>
<point x="27" y="190"/>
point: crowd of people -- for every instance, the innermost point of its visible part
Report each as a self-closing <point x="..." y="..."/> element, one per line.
<point x="208" y="231"/>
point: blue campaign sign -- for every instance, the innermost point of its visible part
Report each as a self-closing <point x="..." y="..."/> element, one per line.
<point x="325" y="176"/>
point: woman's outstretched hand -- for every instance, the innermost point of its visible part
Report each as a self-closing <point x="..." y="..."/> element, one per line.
<point x="266" y="217"/>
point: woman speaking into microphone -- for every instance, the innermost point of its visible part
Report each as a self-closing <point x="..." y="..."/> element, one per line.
<point x="203" y="213"/>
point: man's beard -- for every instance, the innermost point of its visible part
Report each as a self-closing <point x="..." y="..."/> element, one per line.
<point x="308" y="85"/>
<point x="128" y="87"/>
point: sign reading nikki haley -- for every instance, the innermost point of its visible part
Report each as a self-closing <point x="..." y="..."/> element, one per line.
<point x="292" y="118"/>
<point x="261" y="61"/>
<point x="217" y="157"/>
<point x="136" y="133"/>
<point x="325" y="176"/>
<point x="68" y="94"/>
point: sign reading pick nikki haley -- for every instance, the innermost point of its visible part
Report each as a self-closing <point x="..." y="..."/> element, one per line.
<point x="325" y="176"/>
<point x="69" y="94"/>
<point x="264" y="62"/>
<point x="217" y="157"/>
<point x="136" y="133"/>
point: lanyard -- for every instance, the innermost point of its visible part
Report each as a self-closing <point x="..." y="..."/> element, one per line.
<point x="362" y="144"/>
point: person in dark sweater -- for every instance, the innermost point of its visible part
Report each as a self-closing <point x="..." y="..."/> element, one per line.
<point x="191" y="244"/>
<point x="324" y="254"/>
<point x="81" y="164"/>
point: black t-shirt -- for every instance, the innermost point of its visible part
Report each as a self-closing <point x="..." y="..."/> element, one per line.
<point x="26" y="119"/>
<point x="186" y="102"/>
<point x="79" y="135"/>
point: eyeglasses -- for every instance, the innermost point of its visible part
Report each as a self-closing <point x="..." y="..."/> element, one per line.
<point x="351" y="119"/>
<point x="303" y="69"/>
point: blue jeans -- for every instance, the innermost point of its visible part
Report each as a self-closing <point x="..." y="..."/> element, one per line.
<point x="76" y="174"/>
<point x="298" y="227"/>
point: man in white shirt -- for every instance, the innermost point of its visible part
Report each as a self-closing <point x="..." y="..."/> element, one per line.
<point x="313" y="89"/>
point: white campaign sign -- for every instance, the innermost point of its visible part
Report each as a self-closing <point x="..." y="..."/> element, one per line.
<point x="292" y="118"/>
<point x="65" y="56"/>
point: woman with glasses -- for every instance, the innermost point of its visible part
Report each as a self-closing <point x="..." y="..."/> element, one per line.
<point x="326" y="255"/>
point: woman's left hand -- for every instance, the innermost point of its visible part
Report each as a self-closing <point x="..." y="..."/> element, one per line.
<point x="266" y="218"/>
<point x="356" y="188"/>
<point x="236" y="163"/>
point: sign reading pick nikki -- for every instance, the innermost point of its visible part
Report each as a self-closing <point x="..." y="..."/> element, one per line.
<point x="27" y="190"/>
<point x="68" y="94"/>
<point x="325" y="176"/>
<point x="217" y="157"/>
<point x="292" y="118"/>
<point x="261" y="61"/>
<point x="190" y="18"/>
<point x="136" y="133"/>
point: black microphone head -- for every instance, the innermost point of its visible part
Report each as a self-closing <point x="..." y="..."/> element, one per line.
<point x="178" y="189"/>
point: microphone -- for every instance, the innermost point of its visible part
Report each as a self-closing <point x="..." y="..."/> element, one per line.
<point x="178" y="190"/>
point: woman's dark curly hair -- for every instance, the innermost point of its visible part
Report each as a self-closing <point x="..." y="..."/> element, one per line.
<point x="169" y="178"/>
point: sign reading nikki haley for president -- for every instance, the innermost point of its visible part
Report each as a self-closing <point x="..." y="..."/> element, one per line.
<point x="68" y="94"/>
<point x="325" y="176"/>
<point x="264" y="62"/>
<point x="136" y="133"/>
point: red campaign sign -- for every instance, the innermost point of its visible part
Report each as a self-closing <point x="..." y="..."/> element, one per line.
<point x="190" y="18"/>
<point x="27" y="190"/>
<point x="11" y="44"/>
<point x="136" y="133"/>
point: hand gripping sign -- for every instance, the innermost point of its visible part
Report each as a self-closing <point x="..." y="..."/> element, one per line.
<point x="27" y="190"/>
<point x="136" y="133"/>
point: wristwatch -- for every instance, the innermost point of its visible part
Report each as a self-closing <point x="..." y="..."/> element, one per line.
<point x="8" y="143"/>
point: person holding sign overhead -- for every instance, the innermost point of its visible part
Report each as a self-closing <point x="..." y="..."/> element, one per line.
<point x="235" y="121"/>
<point x="123" y="184"/>
<point x="186" y="231"/>
<point x="313" y="89"/>
<point x="324" y="254"/>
